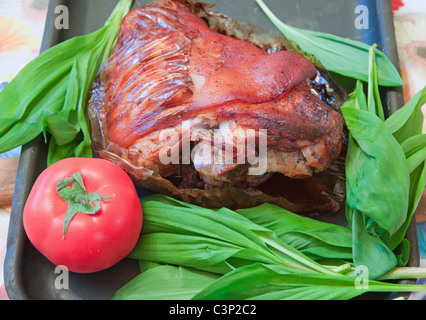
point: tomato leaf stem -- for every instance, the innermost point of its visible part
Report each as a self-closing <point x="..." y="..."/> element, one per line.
<point x="78" y="199"/>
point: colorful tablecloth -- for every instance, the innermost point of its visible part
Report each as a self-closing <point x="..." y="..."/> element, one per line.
<point x="21" y="30"/>
<point x="410" y="31"/>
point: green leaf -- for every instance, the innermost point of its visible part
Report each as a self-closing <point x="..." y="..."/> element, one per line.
<point x="402" y="252"/>
<point x="385" y="171"/>
<point x="406" y="125"/>
<point x="414" y="144"/>
<point x="165" y="283"/>
<point x="256" y="281"/>
<point x="259" y="281"/>
<point x="18" y="129"/>
<point x="189" y="251"/>
<point x="190" y="224"/>
<point x="408" y="120"/>
<point x="417" y="186"/>
<point x="377" y="176"/>
<point x="417" y="157"/>
<point x="337" y="54"/>
<point x="312" y="237"/>
<point x="369" y="250"/>
<point x="374" y="103"/>
<point x="359" y="96"/>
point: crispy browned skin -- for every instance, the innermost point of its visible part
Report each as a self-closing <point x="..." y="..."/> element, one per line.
<point x="168" y="66"/>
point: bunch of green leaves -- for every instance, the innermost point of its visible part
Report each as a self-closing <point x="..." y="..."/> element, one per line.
<point x="190" y="252"/>
<point x="315" y="239"/>
<point x="257" y="281"/>
<point x="385" y="174"/>
<point x="220" y="240"/>
<point x="49" y="95"/>
<point x="340" y="55"/>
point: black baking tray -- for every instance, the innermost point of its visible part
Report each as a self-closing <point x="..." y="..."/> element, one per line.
<point x="28" y="275"/>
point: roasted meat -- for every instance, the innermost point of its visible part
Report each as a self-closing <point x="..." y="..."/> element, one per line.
<point x="183" y="107"/>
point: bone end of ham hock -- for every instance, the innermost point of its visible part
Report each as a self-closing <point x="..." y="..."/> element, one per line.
<point x="169" y="67"/>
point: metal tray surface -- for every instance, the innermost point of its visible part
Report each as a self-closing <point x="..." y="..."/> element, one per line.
<point x="28" y="274"/>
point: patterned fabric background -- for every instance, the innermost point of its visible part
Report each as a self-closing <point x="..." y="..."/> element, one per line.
<point x="410" y="31"/>
<point x="21" y="31"/>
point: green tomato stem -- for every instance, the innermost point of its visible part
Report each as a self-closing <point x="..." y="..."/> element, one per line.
<point x="78" y="199"/>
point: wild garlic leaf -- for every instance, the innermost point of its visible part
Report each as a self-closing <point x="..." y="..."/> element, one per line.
<point x="73" y="113"/>
<point x="202" y="253"/>
<point x="414" y="144"/>
<point x="249" y="240"/>
<point x="385" y="171"/>
<point x="256" y="281"/>
<point x="407" y="121"/>
<point x="377" y="177"/>
<point x="374" y="102"/>
<point x="417" y="158"/>
<point x="337" y="54"/>
<point x="369" y="250"/>
<point x="273" y="282"/>
<point x="166" y="283"/>
<point x="417" y="186"/>
<point x="312" y="237"/>
<point x="20" y="121"/>
<point x="406" y="125"/>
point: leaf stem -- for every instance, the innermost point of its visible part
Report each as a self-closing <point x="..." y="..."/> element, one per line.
<point x="299" y="257"/>
<point x="342" y="268"/>
<point x="400" y="273"/>
<point x="77" y="198"/>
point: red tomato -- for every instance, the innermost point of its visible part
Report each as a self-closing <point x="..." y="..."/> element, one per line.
<point x="91" y="242"/>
